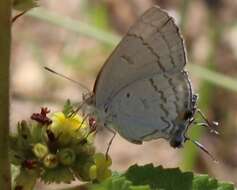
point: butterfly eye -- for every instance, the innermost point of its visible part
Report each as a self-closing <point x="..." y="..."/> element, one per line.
<point x="106" y="109"/>
<point x="176" y="142"/>
<point x="128" y="95"/>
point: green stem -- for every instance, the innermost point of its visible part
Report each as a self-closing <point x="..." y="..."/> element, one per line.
<point x="5" y="41"/>
<point x="75" y="26"/>
<point x="183" y="13"/>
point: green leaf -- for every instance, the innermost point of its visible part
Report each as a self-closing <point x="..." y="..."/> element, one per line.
<point x="37" y="132"/>
<point x="141" y="187"/>
<point x="201" y="182"/>
<point x="117" y="182"/>
<point x="149" y="177"/>
<point x="15" y="171"/>
<point x="24" y="136"/>
<point x="67" y="108"/>
<point x="24" y="5"/>
<point x="26" y="179"/>
<point x="160" y="178"/>
<point x="57" y="175"/>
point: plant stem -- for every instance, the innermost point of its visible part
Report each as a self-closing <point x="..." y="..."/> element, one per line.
<point x="183" y="13"/>
<point x="75" y="26"/>
<point x="5" y="41"/>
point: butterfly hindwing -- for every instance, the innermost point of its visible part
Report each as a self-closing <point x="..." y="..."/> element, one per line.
<point x="148" y="108"/>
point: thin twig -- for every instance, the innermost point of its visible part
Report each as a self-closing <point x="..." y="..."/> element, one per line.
<point x="18" y="16"/>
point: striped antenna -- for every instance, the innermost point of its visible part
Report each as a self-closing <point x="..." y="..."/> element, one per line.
<point x="65" y="77"/>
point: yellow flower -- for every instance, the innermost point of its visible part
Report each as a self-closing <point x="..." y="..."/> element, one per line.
<point x="69" y="129"/>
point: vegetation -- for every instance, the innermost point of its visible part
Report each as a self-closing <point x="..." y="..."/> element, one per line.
<point x="60" y="148"/>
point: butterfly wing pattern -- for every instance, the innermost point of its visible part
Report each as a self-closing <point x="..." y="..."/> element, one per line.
<point x="142" y="89"/>
<point x="150" y="108"/>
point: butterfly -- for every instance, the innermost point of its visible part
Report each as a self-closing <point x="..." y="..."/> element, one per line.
<point x="142" y="91"/>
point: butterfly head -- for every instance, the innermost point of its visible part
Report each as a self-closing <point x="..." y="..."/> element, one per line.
<point x="89" y="98"/>
<point x="183" y="121"/>
<point x="178" y="138"/>
<point x="177" y="141"/>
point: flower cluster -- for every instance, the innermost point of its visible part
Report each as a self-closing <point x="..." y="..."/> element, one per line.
<point x="57" y="149"/>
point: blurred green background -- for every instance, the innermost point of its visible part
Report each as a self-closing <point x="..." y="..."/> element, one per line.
<point x="75" y="37"/>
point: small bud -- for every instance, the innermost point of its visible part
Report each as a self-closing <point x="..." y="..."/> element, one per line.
<point x="40" y="150"/>
<point x="87" y="149"/>
<point x="23" y="123"/>
<point x="51" y="161"/>
<point x="23" y="130"/>
<point x="42" y="117"/>
<point x="93" y="172"/>
<point x="104" y="174"/>
<point x="102" y="166"/>
<point x="100" y="159"/>
<point x="67" y="156"/>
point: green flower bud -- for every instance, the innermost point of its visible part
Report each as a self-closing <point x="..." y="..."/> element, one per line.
<point x="50" y="161"/>
<point x="67" y="156"/>
<point x="103" y="174"/>
<point x="40" y="150"/>
<point x="82" y="171"/>
<point x="93" y="172"/>
<point x="24" y="134"/>
<point x="102" y="166"/>
<point x="23" y="123"/>
<point x="87" y="149"/>
<point x="100" y="159"/>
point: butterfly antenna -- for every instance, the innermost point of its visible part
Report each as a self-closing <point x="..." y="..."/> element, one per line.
<point x="65" y="77"/>
<point x="203" y="148"/>
<point x="208" y="124"/>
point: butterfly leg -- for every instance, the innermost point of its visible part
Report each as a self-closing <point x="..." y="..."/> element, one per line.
<point x="83" y="121"/>
<point x="207" y="123"/>
<point x="202" y="147"/>
<point x="79" y="107"/>
<point x="110" y="141"/>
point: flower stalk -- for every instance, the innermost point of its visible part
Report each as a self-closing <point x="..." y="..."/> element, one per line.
<point x="5" y="41"/>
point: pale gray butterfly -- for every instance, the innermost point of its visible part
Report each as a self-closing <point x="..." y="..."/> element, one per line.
<point x="143" y="91"/>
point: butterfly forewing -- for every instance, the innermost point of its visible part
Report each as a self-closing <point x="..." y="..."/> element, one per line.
<point x="152" y="46"/>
